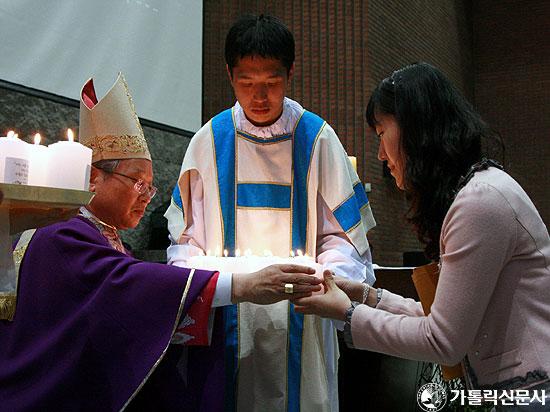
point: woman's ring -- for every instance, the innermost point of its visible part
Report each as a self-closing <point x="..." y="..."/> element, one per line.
<point x="289" y="288"/>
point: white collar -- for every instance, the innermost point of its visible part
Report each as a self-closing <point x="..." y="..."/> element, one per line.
<point x="292" y="111"/>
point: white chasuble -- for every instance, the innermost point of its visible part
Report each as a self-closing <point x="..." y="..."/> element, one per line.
<point x="260" y="194"/>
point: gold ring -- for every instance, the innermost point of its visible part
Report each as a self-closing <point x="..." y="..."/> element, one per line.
<point x="289" y="288"/>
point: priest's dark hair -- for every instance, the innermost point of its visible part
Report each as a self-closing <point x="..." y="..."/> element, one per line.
<point x="262" y="35"/>
<point x="440" y="139"/>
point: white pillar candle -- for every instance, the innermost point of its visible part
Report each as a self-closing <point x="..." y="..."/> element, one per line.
<point x="14" y="160"/>
<point x="38" y="163"/>
<point x="70" y="164"/>
<point x="353" y="161"/>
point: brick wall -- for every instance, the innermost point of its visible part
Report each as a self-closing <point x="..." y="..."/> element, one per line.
<point x="343" y="49"/>
<point x="512" y="87"/>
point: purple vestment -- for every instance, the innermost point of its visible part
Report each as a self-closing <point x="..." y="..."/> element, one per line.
<point x="91" y="323"/>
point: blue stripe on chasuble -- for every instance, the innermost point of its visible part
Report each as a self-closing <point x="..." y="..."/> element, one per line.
<point x="263" y="195"/>
<point x="305" y="137"/>
<point x="223" y="132"/>
<point x="348" y="214"/>
<point x="360" y="194"/>
<point x="176" y="197"/>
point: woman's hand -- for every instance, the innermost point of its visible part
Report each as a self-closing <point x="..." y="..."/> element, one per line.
<point x="355" y="290"/>
<point x="333" y="304"/>
<point x="268" y="285"/>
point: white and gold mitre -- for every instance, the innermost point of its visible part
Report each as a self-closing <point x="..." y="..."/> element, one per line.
<point x="110" y="127"/>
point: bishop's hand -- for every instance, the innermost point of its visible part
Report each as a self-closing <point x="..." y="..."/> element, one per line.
<point x="274" y="283"/>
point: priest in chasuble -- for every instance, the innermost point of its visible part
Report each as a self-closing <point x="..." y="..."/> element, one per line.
<point x="267" y="174"/>
<point x="84" y="325"/>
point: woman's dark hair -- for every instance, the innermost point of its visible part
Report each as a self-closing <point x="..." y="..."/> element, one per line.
<point x="262" y="35"/>
<point x="441" y="138"/>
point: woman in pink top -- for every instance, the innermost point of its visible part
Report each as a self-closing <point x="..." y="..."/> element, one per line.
<point x="492" y="304"/>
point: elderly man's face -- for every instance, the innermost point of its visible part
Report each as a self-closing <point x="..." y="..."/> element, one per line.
<point x="116" y="202"/>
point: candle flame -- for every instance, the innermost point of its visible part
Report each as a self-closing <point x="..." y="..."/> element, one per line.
<point x="225" y="252"/>
<point x="292" y="253"/>
<point x="299" y="252"/>
<point x="70" y="135"/>
<point x="238" y="252"/>
<point x="11" y="134"/>
<point x="37" y="138"/>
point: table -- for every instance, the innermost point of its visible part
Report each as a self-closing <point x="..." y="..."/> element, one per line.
<point x="396" y="279"/>
<point x="25" y="207"/>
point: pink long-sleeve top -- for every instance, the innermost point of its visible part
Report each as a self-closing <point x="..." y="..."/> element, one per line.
<point x="492" y="301"/>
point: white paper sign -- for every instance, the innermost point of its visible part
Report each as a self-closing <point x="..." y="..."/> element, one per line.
<point x="16" y="171"/>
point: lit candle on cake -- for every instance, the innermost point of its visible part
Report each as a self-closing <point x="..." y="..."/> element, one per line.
<point x="70" y="164"/>
<point x="14" y="160"/>
<point x="251" y="263"/>
<point x="38" y="163"/>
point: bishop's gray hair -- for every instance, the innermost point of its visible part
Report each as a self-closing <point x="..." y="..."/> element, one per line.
<point x="108" y="166"/>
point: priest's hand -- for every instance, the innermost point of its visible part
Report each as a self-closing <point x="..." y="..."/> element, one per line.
<point x="333" y="304"/>
<point x="268" y="285"/>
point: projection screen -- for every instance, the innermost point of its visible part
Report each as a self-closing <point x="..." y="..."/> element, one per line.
<point x="56" y="45"/>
